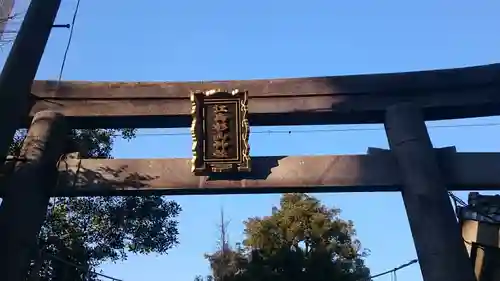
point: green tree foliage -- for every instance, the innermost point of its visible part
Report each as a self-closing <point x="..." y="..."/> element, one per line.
<point x="88" y="231"/>
<point x="300" y="240"/>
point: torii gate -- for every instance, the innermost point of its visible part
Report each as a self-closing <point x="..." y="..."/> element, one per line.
<point x="402" y="101"/>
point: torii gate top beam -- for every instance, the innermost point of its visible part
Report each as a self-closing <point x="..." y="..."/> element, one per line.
<point x="354" y="99"/>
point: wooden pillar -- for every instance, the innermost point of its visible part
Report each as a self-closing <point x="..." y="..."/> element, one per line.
<point x="21" y="66"/>
<point x="24" y="206"/>
<point x="436" y="233"/>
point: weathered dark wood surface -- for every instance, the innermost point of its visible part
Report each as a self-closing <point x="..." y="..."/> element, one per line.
<point x="342" y="173"/>
<point x="436" y="234"/>
<point x="443" y="94"/>
<point x="24" y="207"/>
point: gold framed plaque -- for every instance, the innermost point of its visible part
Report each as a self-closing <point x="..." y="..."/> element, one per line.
<point x="220" y="131"/>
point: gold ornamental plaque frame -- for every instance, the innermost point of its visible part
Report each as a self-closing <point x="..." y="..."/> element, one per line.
<point x="220" y="131"/>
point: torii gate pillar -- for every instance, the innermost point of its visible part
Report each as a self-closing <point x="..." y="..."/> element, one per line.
<point x="27" y="194"/>
<point x="436" y="233"/>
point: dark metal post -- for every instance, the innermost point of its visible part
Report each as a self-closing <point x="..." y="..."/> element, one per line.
<point x="436" y="233"/>
<point x="21" y="66"/>
<point x="24" y="206"/>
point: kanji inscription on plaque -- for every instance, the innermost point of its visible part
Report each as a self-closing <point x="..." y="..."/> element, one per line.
<point x="220" y="131"/>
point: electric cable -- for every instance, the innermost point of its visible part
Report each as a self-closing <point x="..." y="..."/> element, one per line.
<point x="54" y="202"/>
<point x="318" y="130"/>
<point x="61" y="71"/>
<point x="68" y="44"/>
<point x="393" y="271"/>
<point x="457" y="202"/>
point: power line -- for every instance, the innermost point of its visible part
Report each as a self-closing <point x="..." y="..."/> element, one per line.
<point x="68" y="44"/>
<point x="391" y="270"/>
<point x="299" y="131"/>
<point x="459" y="203"/>
<point x="61" y="71"/>
<point x="457" y="200"/>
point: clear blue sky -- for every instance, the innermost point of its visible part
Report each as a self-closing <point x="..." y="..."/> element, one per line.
<point x="205" y="40"/>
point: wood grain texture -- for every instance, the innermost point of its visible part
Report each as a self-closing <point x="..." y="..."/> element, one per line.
<point x="443" y="94"/>
<point x="339" y="173"/>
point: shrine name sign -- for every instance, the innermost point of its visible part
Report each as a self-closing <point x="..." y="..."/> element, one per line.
<point x="220" y="132"/>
